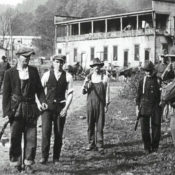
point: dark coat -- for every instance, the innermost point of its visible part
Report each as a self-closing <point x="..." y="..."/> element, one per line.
<point x="148" y="101"/>
<point x="3" y="67"/>
<point x="12" y="86"/>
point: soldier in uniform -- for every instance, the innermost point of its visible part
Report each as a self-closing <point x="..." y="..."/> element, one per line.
<point x="21" y="84"/>
<point x="147" y="105"/>
<point x="57" y="84"/>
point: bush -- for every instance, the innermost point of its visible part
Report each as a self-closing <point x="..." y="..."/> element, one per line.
<point x="130" y="87"/>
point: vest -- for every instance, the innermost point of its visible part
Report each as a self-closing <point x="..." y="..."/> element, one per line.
<point x="56" y="89"/>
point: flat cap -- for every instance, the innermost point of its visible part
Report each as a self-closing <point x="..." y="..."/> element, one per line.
<point x="59" y="57"/>
<point x="25" y="51"/>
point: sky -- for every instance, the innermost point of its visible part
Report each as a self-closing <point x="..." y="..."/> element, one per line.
<point x="10" y="2"/>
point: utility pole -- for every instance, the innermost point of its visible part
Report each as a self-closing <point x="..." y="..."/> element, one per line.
<point x="11" y="39"/>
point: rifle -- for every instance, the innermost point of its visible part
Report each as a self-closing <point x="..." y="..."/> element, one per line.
<point x="3" y="128"/>
<point x="137" y="121"/>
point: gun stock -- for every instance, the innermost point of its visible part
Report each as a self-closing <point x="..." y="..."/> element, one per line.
<point x="137" y="121"/>
<point x="3" y="128"/>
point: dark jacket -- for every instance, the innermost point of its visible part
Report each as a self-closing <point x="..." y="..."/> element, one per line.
<point x="12" y="86"/>
<point x="148" y="101"/>
<point x="3" y="67"/>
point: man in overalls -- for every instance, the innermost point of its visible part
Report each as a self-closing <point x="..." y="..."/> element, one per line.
<point x="147" y="105"/>
<point x="96" y="85"/>
<point x="21" y="84"/>
<point x="57" y="83"/>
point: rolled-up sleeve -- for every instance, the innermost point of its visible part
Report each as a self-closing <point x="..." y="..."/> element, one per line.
<point x="69" y="79"/>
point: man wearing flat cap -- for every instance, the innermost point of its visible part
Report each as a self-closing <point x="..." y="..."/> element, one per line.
<point x="58" y="86"/>
<point x="96" y="86"/>
<point x="147" y="105"/>
<point x="4" y="65"/>
<point x="21" y="84"/>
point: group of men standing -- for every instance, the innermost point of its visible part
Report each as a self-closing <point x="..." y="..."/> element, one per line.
<point x="22" y="85"/>
<point x="54" y="91"/>
<point x="26" y="96"/>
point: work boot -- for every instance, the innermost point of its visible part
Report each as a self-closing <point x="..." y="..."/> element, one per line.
<point x="90" y="147"/>
<point x="147" y="151"/>
<point x="16" y="169"/>
<point x="43" y="161"/>
<point x="56" y="161"/>
<point x="100" y="150"/>
<point x="29" y="169"/>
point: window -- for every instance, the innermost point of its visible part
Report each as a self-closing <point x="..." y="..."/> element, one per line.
<point x="75" y="54"/>
<point x="92" y="53"/>
<point x="115" y="53"/>
<point x="164" y="48"/>
<point x="147" y="54"/>
<point x="59" y="51"/>
<point x="136" y="52"/>
<point x="105" y="53"/>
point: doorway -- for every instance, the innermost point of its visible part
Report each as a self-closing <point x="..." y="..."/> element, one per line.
<point x="125" y="58"/>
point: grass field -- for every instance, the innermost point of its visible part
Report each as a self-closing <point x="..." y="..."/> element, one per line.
<point x="123" y="147"/>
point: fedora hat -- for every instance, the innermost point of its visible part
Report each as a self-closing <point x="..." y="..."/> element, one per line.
<point x="97" y="62"/>
<point x="25" y="51"/>
<point x="149" y="66"/>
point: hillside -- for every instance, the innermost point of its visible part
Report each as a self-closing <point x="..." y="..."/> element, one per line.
<point x="30" y="5"/>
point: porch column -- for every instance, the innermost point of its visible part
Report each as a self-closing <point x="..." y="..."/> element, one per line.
<point x="79" y="29"/>
<point x="121" y="24"/>
<point x="106" y="25"/>
<point x="92" y="26"/>
<point x="154" y="27"/>
<point x="67" y="30"/>
<point x="70" y="29"/>
<point x="55" y="40"/>
<point x="137" y="20"/>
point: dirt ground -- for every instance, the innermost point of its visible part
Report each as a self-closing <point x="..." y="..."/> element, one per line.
<point x="123" y="147"/>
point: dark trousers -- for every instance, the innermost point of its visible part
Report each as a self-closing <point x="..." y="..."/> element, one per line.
<point x="18" y="127"/>
<point x="96" y="119"/>
<point x="47" y="118"/>
<point x="151" y="141"/>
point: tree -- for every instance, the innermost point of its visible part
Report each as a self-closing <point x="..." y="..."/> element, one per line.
<point x="22" y="24"/>
<point x="5" y="26"/>
<point x="44" y="27"/>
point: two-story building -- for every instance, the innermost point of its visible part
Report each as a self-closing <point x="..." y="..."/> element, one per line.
<point x="121" y="39"/>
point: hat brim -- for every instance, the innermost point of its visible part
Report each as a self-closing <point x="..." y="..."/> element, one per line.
<point x="26" y="54"/>
<point x="60" y="59"/>
<point x="97" y="64"/>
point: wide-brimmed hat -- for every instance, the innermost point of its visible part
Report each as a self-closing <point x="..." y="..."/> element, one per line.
<point x="25" y="51"/>
<point x="149" y="66"/>
<point x="97" y="62"/>
<point x="59" y="57"/>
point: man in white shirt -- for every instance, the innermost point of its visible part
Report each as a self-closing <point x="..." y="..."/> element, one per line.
<point x="57" y="83"/>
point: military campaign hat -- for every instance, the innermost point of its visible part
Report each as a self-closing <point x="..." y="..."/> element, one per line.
<point x="25" y="51"/>
<point x="96" y="62"/>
